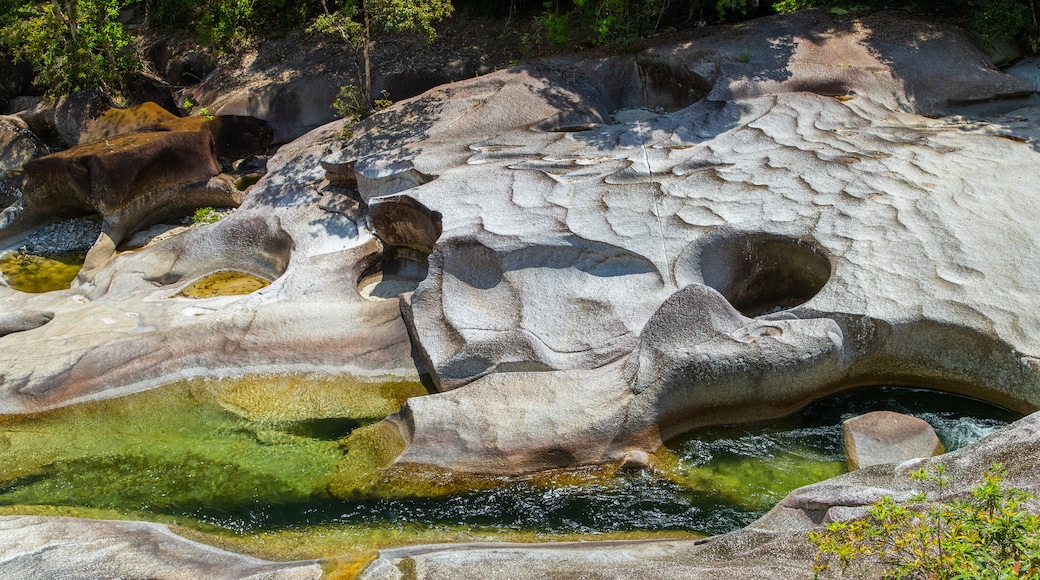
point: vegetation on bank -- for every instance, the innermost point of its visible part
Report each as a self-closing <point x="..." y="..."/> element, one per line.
<point x="989" y="534"/>
<point x="83" y="44"/>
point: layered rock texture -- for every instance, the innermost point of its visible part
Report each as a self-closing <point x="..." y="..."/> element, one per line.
<point x="594" y="256"/>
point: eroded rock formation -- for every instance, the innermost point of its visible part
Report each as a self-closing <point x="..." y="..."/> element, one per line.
<point x="601" y="261"/>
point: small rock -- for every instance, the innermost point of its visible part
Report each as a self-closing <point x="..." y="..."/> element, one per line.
<point x="887" y="437"/>
<point x="635" y="459"/>
<point x="74" y="235"/>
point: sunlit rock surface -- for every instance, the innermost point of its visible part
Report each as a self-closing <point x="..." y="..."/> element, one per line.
<point x="598" y="287"/>
<point x="886" y="437"/>
<point x="40" y="547"/>
<point x="128" y="328"/>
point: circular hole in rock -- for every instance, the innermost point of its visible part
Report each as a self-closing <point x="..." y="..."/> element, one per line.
<point x="392" y="277"/>
<point x="761" y="274"/>
<point x="223" y="283"/>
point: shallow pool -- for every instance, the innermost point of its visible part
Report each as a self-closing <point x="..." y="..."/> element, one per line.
<point x="32" y="273"/>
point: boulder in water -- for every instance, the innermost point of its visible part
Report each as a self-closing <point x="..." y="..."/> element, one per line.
<point x="887" y="437"/>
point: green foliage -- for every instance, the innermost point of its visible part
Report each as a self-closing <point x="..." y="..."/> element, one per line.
<point x="789" y="6"/>
<point x="725" y="7"/>
<point x="384" y="101"/>
<point x="602" y="21"/>
<point x="349" y="103"/>
<point x="187" y="105"/>
<point x="206" y="215"/>
<point x="224" y="23"/>
<point x="987" y="535"/>
<point x="1002" y="19"/>
<point x="992" y="19"/>
<point x="73" y="45"/>
<point x="415" y="16"/>
<point x="353" y="23"/>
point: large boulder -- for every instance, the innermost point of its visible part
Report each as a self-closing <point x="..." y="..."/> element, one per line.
<point x="130" y="181"/>
<point x="289" y="88"/>
<point x="117" y="121"/>
<point x="291" y="108"/>
<point x="714" y="264"/>
<point x="143" y="165"/>
<point x="75" y="112"/>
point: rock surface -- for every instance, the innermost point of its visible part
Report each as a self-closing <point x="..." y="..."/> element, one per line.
<point x="887" y="437"/>
<point x="143" y="165"/>
<point x="41" y="547"/>
<point x="774" y="242"/>
<point x="127" y="329"/>
<point x="18" y="144"/>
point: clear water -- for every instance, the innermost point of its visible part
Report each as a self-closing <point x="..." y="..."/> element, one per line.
<point x="755" y="466"/>
<point x="254" y="457"/>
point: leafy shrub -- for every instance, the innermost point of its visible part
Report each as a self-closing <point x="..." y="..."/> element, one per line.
<point x="987" y="535"/>
<point x="206" y="215"/>
<point x="73" y="45"/>
<point x="1001" y="19"/>
<point x="224" y="23"/>
<point x="602" y="21"/>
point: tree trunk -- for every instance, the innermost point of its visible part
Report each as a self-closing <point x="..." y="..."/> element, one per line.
<point x="367" y="89"/>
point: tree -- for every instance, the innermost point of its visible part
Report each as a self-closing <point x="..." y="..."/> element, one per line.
<point x="354" y="23"/>
<point x="73" y="44"/>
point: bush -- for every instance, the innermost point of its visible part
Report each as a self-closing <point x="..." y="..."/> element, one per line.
<point x="206" y="215"/>
<point x="987" y="535"/>
<point x="73" y="45"/>
<point x="223" y="23"/>
<point x="991" y="19"/>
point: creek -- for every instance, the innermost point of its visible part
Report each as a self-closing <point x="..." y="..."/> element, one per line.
<point x="246" y="462"/>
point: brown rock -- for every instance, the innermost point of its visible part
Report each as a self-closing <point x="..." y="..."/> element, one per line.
<point x="886" y="437"/>
<point x="234" y="136"/>
<point x="106" y="176"/>
<point x="144" y="117"/>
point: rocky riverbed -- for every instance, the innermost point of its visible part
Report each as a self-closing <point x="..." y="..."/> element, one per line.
<point x="802" y="206"/>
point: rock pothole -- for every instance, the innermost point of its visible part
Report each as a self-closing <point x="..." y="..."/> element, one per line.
<point x="764" y="273"/>
<point x="392" y="276"/>
<point x="223" y="283"/>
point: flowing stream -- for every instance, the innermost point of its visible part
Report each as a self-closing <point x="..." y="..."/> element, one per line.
<point x="251" y="458"/>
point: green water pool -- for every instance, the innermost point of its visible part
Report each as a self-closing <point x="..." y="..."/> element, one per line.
<point x="246" y="463"/>
<point x="35" y="274"/>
